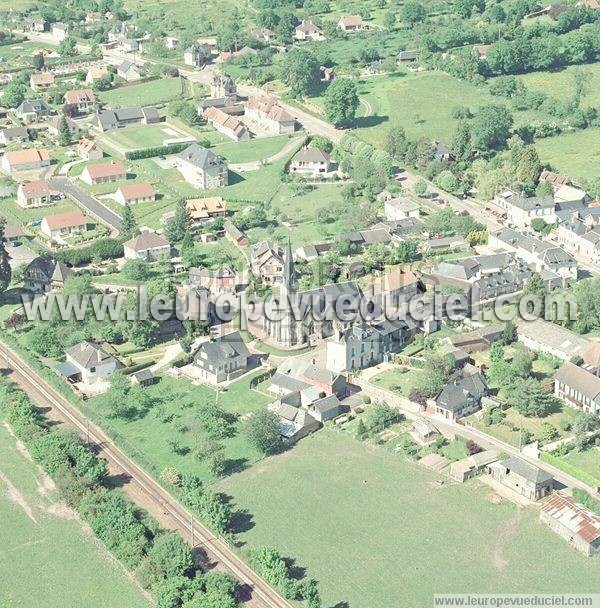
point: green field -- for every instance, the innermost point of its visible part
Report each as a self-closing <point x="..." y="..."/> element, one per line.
<point x="253" y="150"/>
<point x="373" y="528"/>
<point x="47" y="559"/>
<point x="149" y="136"/>
<point x="144" y="94"/>
<point x="170" y="420"/>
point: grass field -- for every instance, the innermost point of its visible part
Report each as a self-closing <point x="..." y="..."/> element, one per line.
<point x="47" y="559"/>
<point x="248" y="151"/>
<point x="149" y="136"/>
<point x="151" y="433"/>
<point x="370" y="526"/>
<point x="144" y="94"/>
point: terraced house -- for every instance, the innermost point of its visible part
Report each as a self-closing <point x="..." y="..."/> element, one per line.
<point x="578" y="387"/>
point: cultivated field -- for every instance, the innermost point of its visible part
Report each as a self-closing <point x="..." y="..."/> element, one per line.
<point x="47" y="559"/>
<point x="370" y="526"/>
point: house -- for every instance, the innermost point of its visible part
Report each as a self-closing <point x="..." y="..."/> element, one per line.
<point x="578" y="231"/>
<point x="12" y="135"/>
<point x="197" y="55"/>
<point x="222" y="359"/>
<point x="393" y="288"/>
<point x="351" y="23"/>
<point x="473" y="465"/>
<point x="577" y="524"/>
<point x="302" y="382"/>
<point x="95" y="73"/>
<point x="93" y="17"/>
<point x="552" y="339"/>
<point x="34" y="194"/>
<point x="521" y="210"/>
<point x="235" y="235"/>
<point x="578" y="388"/>
<point x="441" y="151"/>
<point x="60" y="31"/>
<point x="31" y="110"/>
<point x="522" y="477"/>
<point x="266" y="262"/>
<point x="63" y="224"/>
<point x="128" y="71"/>
<point x="445" y="243"/>
<point x="13" y="233"/>
<point x="295" y="423"/>
<point x="25" y="160"/>
<point x="223" y="86"/>
<point x="307" y="30"/>
<point x="539" y="255"/>
<point x="363" y="345"/>
<point x="229" y="125"/>
<point x="222" y="280"/>
<point x="202" y="168"/>
<point x="130" y="194"/>
<point x="311" y="161"/>
<point x="103" y="173"/>
<point x="270" y="115"/>
<point x="407" y="57"/>
<point x="479" y="339"/>
<point x="556" y="179"/>
<point x="143" y="377"/>
<point x="34" y="25"/>
<point x="171" y="42"/>
<point x="129" y="45"/>
<point x="88" y="149"/>
<point x="262" y="34"/>
<point x="400" y="208"/>
<point x="309" y="253"/>
<point x="87" y="362"/>
<point x="460" y="397"/>
<point x="202" y="210"/>
<point x="81" y="100"/>
<point x="569" y="194"/>
<point x="45" y="274"/>
<point x="148" y="246"/>
<point x="41" y="80"/>
<point x="107" y="120"/>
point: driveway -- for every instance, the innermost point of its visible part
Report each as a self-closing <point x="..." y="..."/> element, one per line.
<point x="20" y="255"/>
<point x="93" y="206"/>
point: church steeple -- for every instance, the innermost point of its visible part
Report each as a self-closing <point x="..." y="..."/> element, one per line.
<point x="290" y="280"/>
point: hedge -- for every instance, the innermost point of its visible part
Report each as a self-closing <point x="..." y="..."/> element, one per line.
<point x="576" y="472"/>
<point x="157" y="151"/>
<point x="106" y="249"/>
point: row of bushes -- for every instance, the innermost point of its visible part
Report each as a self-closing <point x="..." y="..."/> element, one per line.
<point x="163" y="562"/>
<point x="570" y="469"/>
<point x="102" y="249"/>
<point x="157" y="151"/>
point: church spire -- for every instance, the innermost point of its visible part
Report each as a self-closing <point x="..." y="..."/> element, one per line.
<point x="290" y="281"/>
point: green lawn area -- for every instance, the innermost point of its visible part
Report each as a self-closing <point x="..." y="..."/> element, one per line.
<point x="144" y="94"/>
<point x="398" y="380"/>
<point x="564" y="152"/>
<point x="13" y="211"/>
<point x="149" y="136"/>
<point x="66" y="566"/>
<point x="175" y="419"/>
<point x="370" y="526"/>
<point x="588" y="460"/>
<point x="248" y="151"/>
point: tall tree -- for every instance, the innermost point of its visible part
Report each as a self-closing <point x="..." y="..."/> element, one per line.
<point x="129" y="227"/>
<point x="341" y="101"/>
<point x="5" y="271"/>
<point x="179" y="224"/>
<point x="529" y="167"/>
<point x="300" y="71"/>
<point x="461" y="144"/>
<point x="491" y="127"/>
<point x="64" y="135"/>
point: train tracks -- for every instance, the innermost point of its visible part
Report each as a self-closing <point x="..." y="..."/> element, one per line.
<point x="262" y="594"/>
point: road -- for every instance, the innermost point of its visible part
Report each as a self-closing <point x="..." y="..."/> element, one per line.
<point x="218" y="552"/>
<point x="87" y="201"/>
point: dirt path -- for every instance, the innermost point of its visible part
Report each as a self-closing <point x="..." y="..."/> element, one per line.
<point x="15" y="496"/>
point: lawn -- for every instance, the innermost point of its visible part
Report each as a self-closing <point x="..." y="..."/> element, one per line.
<point x="175" y="419"/>
<point x="370" y="526"/>
<point x="398" y="379"/>
<point x="144" y="94"/>
<point x="39" y="536"/>
<point x="248" y="151"/>
<point x="150" y="136"/>
<point x="587" y="460"/>
<point x="577" y="154"/>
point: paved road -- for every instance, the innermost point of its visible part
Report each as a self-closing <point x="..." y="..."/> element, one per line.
<point x="87" y="201"/>
<point x="262" y="594"/>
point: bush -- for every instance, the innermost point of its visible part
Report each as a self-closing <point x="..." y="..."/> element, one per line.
<point x="103" y="249"/>
<point x="157" y="151"/>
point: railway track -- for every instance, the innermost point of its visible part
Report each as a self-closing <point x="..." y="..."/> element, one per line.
<point x="262" y="594"/>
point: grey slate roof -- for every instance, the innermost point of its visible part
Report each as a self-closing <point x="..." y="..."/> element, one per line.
<point x="579" y="379"/>
<point x="200" y="157"/>
<point x="87" y="355"/>
<point x="219" y="350"/>
<point x="526" y="470"/>
<point x="37" y="106"/>
<point x="146" y="240"/>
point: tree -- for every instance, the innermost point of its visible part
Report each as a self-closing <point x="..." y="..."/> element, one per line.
<point x="461" y="144"/>
<point x="396" y="142"/>
<point x="136" y="270"/>
<point x="534" y="286"/>
<point x="179" y="224"/>
<point x="129" y="227"/>
<point x="64" y="134"/>
<point x="529" y="398"/>
<point x="262" y="431"/>
<point x="380" y="416"/>
<point x="389" y="20"/>
<point x="413" y="12"/>
<point x="341" y="101"/>
<point x="14" y="94"/>
<point x="529" y="167"/>
<point x="420" y="187"/>
<point x="436" y="371"/>
<point x="168" y="557"/>
<point x="491" y="127"/>
<point x="38" y="61"/>
<point x="67" y="47"/>
<point x="5" y="270"/>
<point x="301" y="71"/>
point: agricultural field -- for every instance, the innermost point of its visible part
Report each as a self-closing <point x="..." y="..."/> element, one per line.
<point x="149" y="93"/>
<point x="450" y="538"/>
<point x="39" y="534"/>
<point x="173" y="418"/>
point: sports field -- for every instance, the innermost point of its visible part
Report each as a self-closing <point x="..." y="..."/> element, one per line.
<point x="377" y="531"/>
<point x="47" y="558"/>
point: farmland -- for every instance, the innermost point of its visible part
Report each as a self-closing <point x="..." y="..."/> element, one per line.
<point x="331" y="486"/>
<point x="41" y="535"/>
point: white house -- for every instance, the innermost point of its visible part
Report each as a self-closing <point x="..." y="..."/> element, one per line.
<point x="60" y="31"/>
<point x="311" y="161"/>
<point x="400" y="208"/>
<point x="351" y="23"/>
<point x="87" y="362"/>
<point x="63" y="224"/>
<point x="146" y="246"/>
<point x="202" y="168"/>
